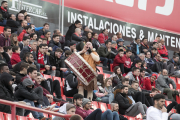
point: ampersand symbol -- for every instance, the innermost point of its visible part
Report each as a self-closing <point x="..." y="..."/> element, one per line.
<point x="141" y="36"/>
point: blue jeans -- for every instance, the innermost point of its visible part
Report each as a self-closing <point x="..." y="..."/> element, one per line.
<point x="109" y="115"/>
<point x="3" y="23"/>
<point x="35" y="114"/>
<point x="108" y="99"/>
<point x="106" y="61"/>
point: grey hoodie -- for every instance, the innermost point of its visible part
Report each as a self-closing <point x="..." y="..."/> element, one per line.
<point x="27" y="81"/>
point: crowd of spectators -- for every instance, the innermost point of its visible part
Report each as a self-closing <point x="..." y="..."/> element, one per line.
<point x="140" y="71"/>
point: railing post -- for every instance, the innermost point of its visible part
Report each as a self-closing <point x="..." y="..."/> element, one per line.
<point x="13" y="112"/>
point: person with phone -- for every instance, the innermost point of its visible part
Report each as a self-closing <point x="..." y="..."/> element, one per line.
<point x="158" y="111"/>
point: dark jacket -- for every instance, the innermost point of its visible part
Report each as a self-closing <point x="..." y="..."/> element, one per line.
<point x="4" y="41"/>
<point x="19" y="30"/>
<point x="13" y="24"/>
<point x="123" y="101"/>
<point x="71" y="81"/>
<point x="134" y="48"/>
<point x="70" y="31"/>
<point x="58" y="62"/>
<point x="21" y="45"/>
<point x="103" y="52"/>
<point x="176" y="64"/>
<point x="132" y="92"/>
<point x="96" y="44"/>
<point x="23" y="93"/>
<point x="142" y="47"/>
<point x="19" y="76"/>
<point x="52" y="44"/>
<point x="40" y="32"/>
<point x="114" y="52"/>
<point x="6" y="92"/>
<point x="5" y="15"/>
<point x="76" y="38"/>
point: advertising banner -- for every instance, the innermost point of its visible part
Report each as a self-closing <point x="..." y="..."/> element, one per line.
<point x="42" y="12"/>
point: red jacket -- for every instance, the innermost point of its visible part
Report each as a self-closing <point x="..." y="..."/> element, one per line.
<point x="15" y="58"/>
<point x="163" y="52"/>
<point x="118" y="60"/>
<point x="127" y="62"/>
<point x="102" y="38"/>
<point x="21" y="35"/>
<point x="147" y="84"/>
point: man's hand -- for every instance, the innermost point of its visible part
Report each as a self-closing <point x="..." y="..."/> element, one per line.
<point x="173" y="89"/>
<point x="53" y="67"/>
<point x="47" y="67"/>
<point x="63" y="69"/>
<point x="22" y="102"/>
<point x="164" y="109"/>
<point x="35" y="101"/>
<point x="145" y="50"/>
<point x="140" y="89"/>
<point x="74" y="50"/>
<point x="152" y="86"/>
<point x="49" y="38"/>
<point x="50" y="48"/>
<point x="106" y="93"/>
<point x="152" y="94"/>
<point x="49" y="96"/>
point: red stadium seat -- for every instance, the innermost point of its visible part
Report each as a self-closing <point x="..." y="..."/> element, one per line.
<point x="131" y="118"/>
<point x="106" y="75"/>
<point x="94" y="105"/>
<point x="174" y="79"/>
<point x="32" y="119"/>
<point x="178" y="99"/>
<point x="101" y="70"/>
<point x="102" y="106"/>
<point x="47" y="76"/>
<point x="109" y="106"/>
<point x="21" y="117"/>
<point x="178" y="80"/>
<point x="1" y="29"/>
<point x="111" y="69"/>
<point x="167" y="102"/>
<point x="1" y="116"/>
<point x="7" y="116"/>
<point x="63" y="97"/>
<point x="178" y="87"/>
<point x="61" y="84"/>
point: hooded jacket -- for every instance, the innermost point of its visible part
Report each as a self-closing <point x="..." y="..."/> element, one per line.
<point x="6" y="91"/>
<point x="21" y="35"/>
<point x="147" y="84"/>
<point x="23" y="92"/>
<point x="123" y="100"/>
<point x="118" y="60"/>
<point x="15" y="58"/>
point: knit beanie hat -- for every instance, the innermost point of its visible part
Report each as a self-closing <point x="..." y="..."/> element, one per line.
<point x="85" y="101"/>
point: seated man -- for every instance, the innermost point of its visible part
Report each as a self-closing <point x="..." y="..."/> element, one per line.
<point x="135" y="46"/>
<point x="26" y="30"/>
<point x="175" y="66"/>
<point x="123" y="61"/>
<point x="158" y="111"/>
<point x="153" y="52"/>
<point x="56" y="59"/>
<point x="24" y="42"/>
<point x="55" y="42"/>
<point x="125" y="103"/>
<point x="134" y="75"/>
<point x="76" y="36"/>
<point x="149" y="61"/>
<point x="144" y="47"/>
<point x="105" y="54"/>
<point x="163" y="83"/>
<point x="6" y="93"/>
<point x="149" y="82"/>
<point x="120" y="44"/>
<point x="139" y="95"/>
<point x="83" y="109"/>
<point x="71" y="47"/>
<point x="96" y="44"/>
<point x="163" y="52"/>
<point x="113" y="50"/>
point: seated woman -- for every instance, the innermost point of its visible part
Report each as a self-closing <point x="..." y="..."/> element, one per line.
<point x="105" y="92"/>
<point x="116" y="76"/>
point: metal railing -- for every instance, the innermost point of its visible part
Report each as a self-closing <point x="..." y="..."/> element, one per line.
<point x="16" y="104"/>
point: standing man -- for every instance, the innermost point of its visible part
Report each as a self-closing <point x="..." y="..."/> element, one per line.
<point x="158" y="111"/>
<point x="92" y="58"/>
